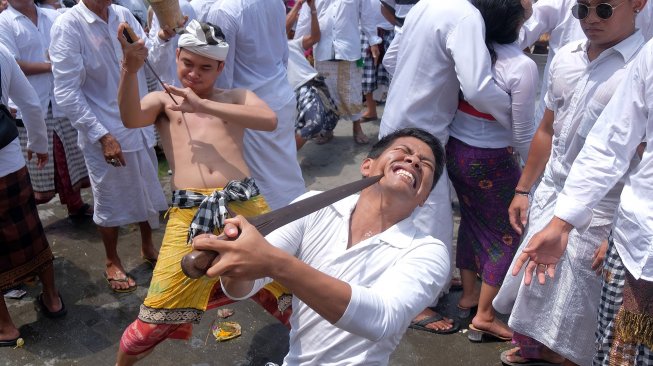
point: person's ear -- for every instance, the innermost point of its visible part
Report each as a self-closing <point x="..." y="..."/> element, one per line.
<point x="220" y="66"/>
<point x="366" y="167"/>
<point x="177" y="53"/>
<point x="638" y="5"/>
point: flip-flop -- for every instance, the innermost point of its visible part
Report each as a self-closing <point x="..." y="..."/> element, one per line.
<point x="150" y="261"/>
<point x="422" y="325"/>
<point x="51" y="314"/>
<point x="528" y="361"/>
<point x="85" y="211"/>
<point x="125" y="279"/>
<point x="477" y="335"/>
<point x="369" y="119"/>
<point x="10" y="342"/>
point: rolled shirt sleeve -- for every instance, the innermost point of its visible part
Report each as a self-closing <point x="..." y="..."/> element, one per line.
<point x="608" y="150"/>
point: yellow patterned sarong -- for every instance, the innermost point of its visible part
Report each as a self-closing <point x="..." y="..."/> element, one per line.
<point x="174" y="298"/>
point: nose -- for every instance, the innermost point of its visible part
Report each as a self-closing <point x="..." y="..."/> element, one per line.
<point x="414" y="161"/>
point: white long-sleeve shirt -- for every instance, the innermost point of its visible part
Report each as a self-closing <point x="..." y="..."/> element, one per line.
<point x="442" y="50"/>
<point x="554" y="17"/>
<point x="86" y="57"/>
<point x="339" y="25"/>
<point x="15" y="85"/>
<point x="578" y="92"/>
<point x="517" y="75"/>
<point x="29" y="42"/>
<point x="393" y="276"/>
<point x="606" y="156"/>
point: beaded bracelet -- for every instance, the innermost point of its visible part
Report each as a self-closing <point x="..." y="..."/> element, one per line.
<point x="522" y="193"/>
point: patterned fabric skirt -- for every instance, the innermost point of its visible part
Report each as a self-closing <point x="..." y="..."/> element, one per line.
<point x="611" y="352"/>
<point x="344" y="80"/>
<point x="24" y="249"/>
<point x="65" y="171"/>
<point x="175" y="302"/>
<point x="316" y="110"/>
<point x="485" y="180"/>
<point x="375" y="75"/>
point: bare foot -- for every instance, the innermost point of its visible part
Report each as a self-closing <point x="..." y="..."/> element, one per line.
<point x="118" y="278"/>
<point x="468" y="302"/>
<point x="443" y="324"/>
<point x="546" y="354"/>
<point x="9" y="334"/>
<point x="359" y="136"/>
<point x="52" y="301"/>
<point x="494" y="326"/>
<point x="150" y="255"/>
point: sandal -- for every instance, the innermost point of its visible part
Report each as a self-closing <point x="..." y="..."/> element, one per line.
<point x="123" y="279"/>
<point x="83" y="212"/>
<point x="523" y="361"/>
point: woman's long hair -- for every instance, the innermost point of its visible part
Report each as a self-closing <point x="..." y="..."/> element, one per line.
<point x="503" y="18"/>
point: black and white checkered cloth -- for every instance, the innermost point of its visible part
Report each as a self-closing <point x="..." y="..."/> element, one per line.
<point x="614" y="278"/>
<point x="212" y="210"/>
<point x="375" y="75"/>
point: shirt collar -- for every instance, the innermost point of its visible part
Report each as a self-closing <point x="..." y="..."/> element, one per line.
<point x="89" y="15"/>
<point x="627" y="48"/>
<point x="16" y="14"/>
<point x="399" y="235"/>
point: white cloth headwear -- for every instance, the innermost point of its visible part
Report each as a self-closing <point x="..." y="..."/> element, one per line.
<point x="195" y="40"/>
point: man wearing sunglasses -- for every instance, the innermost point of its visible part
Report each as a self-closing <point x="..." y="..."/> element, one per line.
<point x="583" y="77"/>
<point x="555" y="18"/>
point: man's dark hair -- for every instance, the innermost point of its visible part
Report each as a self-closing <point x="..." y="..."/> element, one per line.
<point x="502" y="19"/>
<point x="418" y="133"/>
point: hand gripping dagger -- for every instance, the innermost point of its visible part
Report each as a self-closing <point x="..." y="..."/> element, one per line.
<point x="196" y="263"/>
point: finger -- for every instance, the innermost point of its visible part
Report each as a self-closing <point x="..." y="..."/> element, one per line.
<point x="176" y="91"/>
<point x="551" y="270"/>
<point x="596" y="261"/>
<point x="174" y="107"/>
<point x="519" y="263"/>
<point x="212" y="242"/>
<point x="523" y="215"/>
<point x="121" y="159"/>
<point x="231" y="230"/>
<point x="121" y="36"/>
<point x="41" y="162"/>
<point x="540" y="270"/>
<point x="29" y="155"/>
<point x="218" y="267"/>
<point x="528" y="273"/>
<point x="513" y="214"/>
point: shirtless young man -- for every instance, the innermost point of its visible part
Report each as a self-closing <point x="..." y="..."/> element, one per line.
<point x="203" y="140"/>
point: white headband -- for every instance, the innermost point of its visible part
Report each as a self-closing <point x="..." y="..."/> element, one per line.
<point x="194" y="40"/>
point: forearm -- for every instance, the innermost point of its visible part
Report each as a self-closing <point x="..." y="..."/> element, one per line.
<point x="389" y="15"/>
<point x="34" y="68"/>
<point x="538" y="156"/>
<point x="247" y="116"/>
<point x="293" y="15"/>
<point x="129" y="100"/>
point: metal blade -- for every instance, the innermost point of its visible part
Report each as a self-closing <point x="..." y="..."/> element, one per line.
<point x="196" y="263"/>
<point x="268" y="222"/>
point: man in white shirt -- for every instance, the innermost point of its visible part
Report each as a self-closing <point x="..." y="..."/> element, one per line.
<point x="24" y="247"/>
<point x="86" y="56"/>
<point x="606" y="156"/>
<point x="359" y="269"/>
<point x="339" y="49"/>
<point x="442" y="51"/>
<point x="257" y="59"/>
<point x="554" y="17"/>
<point x="25" y="31"/>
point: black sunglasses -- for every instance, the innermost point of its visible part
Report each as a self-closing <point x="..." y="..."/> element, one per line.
<point x="603" y="11"/>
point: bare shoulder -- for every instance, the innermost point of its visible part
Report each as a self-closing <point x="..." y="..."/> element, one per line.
<point x="231" y="96"/>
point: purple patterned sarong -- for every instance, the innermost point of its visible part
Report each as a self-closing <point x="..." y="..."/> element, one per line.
<point x="485" y="181"/>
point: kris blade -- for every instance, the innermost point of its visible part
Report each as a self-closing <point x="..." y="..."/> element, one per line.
<point x="196" y="263"/>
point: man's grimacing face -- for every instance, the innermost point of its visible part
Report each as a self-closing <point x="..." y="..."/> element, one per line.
<point x="408" y="165"/>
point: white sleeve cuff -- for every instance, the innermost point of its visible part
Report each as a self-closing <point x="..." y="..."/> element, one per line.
<point x="573" y="212"/>
<point x="258" y="284"/>
<point x="354" y="321"/>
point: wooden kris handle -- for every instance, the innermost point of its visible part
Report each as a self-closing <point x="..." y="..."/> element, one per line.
<point x="196" y="263"/>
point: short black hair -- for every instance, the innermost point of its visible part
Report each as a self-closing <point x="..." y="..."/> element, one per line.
<point x="502" y="19"/>
<point x="418" y="133"/>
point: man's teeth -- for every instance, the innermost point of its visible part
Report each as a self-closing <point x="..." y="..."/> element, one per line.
<point x="406" y="174"/>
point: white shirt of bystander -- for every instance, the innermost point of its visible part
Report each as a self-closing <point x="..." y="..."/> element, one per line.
<point x="393" y="276"/>
<point x="15" y="84"/>
<point x="340" y="23"/>
<point x="33" y="47"/>
<point x="606" y="156"/>
<point x="86" y="57"/>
